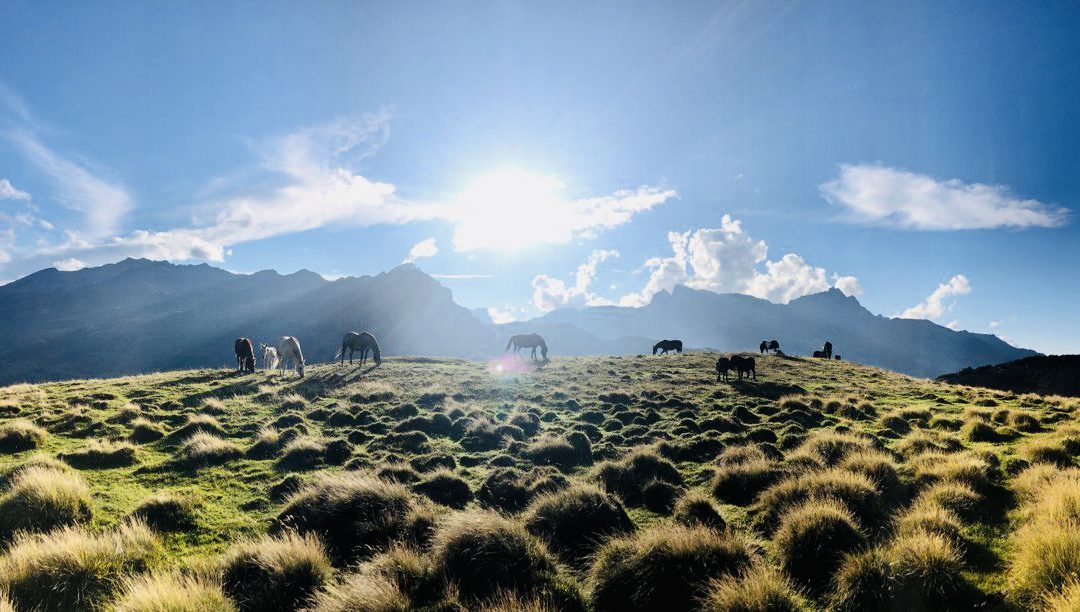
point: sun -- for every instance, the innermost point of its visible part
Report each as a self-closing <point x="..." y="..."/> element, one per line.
<point x="510" y="209"/>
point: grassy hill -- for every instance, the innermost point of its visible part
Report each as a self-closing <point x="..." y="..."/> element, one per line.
<point x="593" y="483"/>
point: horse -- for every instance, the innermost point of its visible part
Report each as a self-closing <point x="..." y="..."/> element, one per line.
<point x="723" y="364"/>
<point x="821" y="354"/>
<point x="827" y="350"/>
<point x="744" y="365"/>
<point x="667" y="345"/>
<point x="270" y="358"/>
<point x="764" y="346"/>
<point x="289" y="348"/>
<point x="774" y="346"/>
<point x="532" y="341"/>
<point x="836" y="357"/>
<point x="362" y="342"/>
<point x="245" y="355"/>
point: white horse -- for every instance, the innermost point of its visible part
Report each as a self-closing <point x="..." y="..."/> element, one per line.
<point x="270" y="358"/>
<point x="288" y="348"/>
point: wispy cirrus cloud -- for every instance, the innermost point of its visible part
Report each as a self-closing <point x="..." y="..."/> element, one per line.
<point x="935" y="304"/>
<point x="877" y="194"/>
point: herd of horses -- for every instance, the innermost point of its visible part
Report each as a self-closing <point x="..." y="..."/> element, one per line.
<point x="287" y="351"/>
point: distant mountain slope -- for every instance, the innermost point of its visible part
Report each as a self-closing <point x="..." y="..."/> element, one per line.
<point x="734" y="322"/>
<point x="1044" y="374"/>
<point x="140" y="316"/>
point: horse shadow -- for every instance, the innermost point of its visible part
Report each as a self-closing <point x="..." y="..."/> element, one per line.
<point x="767" y="390"/>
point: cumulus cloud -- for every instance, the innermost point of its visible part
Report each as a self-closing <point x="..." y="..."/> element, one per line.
<point x="501" y="315"/>
<point x="879" y="194"/>
<point x="550" y="293"/>
<point x="848" y="284"/>
<point x="10" y="192"/>
<point x="424" y="248"/>
<point x="935" y="305"/>
<point x="69" y="265"/>
<point x="726" y="259"/>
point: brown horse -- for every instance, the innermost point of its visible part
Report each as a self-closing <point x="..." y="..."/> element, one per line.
<point x="245" y="355"/>
<point x="744" y="365"/>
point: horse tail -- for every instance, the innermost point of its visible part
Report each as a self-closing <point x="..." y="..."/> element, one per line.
<point x="339" y="353"/>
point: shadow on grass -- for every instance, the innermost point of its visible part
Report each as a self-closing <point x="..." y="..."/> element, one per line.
<point x="767" y="390"/>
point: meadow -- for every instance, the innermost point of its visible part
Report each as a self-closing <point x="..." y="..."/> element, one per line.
<point x="606" y="483"/>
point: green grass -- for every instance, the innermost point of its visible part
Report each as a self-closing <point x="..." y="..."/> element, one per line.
<point x="381" y="463"/>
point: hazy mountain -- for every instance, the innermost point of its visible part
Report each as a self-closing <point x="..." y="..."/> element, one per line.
<point x="735" y="322"/>
<point x="141" y="316"/>
<point x="1043" y="374"/>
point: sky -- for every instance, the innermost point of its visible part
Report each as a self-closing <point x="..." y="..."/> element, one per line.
<point x="922" y="156"/>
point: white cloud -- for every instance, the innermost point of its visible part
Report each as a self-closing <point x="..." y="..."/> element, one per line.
<point x="102" y="203"/>
<point x="934" y="306"/>
<point x="995" y="324"/>
<point x="10" y="192"/>
<point x="879" y="194"/>
<point x="500" y="316"/>
<point x="424" y="248"/>
<point x="848" y="284"/>
<point x="511" y="208"/>
<point x="953" y="325"/>
<point x="726" y="260"/>
<point x="550" y="293"/>
<point x="69" y="265"/>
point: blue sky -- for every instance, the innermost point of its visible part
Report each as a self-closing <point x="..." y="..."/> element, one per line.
<point x="923" y="156"/>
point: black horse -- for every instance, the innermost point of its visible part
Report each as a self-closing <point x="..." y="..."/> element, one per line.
<point x="245" y="355"/>
<point x="723" y="365"/>
<point x="363" y="342"/>
<point x="533" y="341"/>
<point x="744" y="365"/>
<point x="769" y="345"/>
<point x="667" y="345"/>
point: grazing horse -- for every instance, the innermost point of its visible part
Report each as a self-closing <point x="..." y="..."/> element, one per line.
<point x="270" y="358"/>
<point x="723" y="364"/>
<point x="667" y="345"/>
<point x="821" y="354"/>
<point x="532" y="341"/>
<point x="362" y="342"/>
<point x="245" y="355"/>
<point x="744" y="365"/>
<point x="764" y="346"/>
<point x="827" y="350"/>
<point x="774" y="346"/>
<point x="289" y="348"/>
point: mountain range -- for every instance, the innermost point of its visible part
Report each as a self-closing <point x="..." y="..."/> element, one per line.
<point x="139" y="316"/>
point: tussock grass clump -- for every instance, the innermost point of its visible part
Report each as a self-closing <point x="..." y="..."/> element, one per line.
<point x="482" y="554"/>
<point x="855" y="491"/>
<point x="38" y="460"/>
<point x="1024" y="421"/>
<point x="398" y="472"/>
<point x="955" y="497"/>
<point x="879" y="466"/>
<point x="169" y="512"/>
<point x="1046" y="450"/>
<point x="575" y="521"/>
<point x="203" y="449"/>
<point x="862" y="582"/>
<point x="696" y="508"/>
<point x="812" y="540"/>
<point x="666" y="567"/>
<point x="101" y="454"/>
<point x="1046" y="552"/>
<point x="966" y="468"/>
<point x="20" y="435"/>
<point x="412" y="572"/>
<point x="563" y="453"/>
<point x="303" y="453"/>
<point x="144" y="430"/>
<point x="758" y="590"/>
<point x="628" y="478"/>
<point x="926" y="572"/>
<point x="931" y="518"/>
<point x="978" y="431"/>
<point x="197" y="423"/>
<point x="446" y="488"/>
<point x="41" y="499"/>
<point x="267" y="443"/>
<point x="360" y="592"/>
<point x="1066" y="599"/>
<point x="352" y="512"/>
<point x="505" y="489"/>
<point x="275" y="573"/>
<point x="171" y="593"/>
<point x="71" y="569"/>
<point x="742" y="482"/>
<point x="831" y="447"/>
